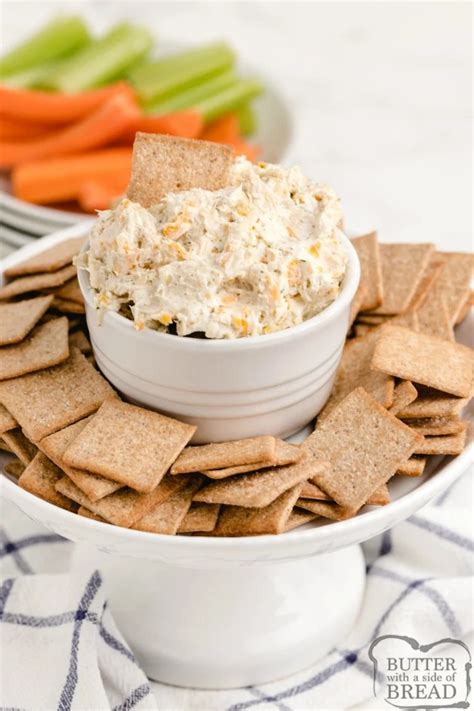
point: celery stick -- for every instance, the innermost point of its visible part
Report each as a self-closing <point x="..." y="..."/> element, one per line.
<point x="31" y="78"/>
<point x="103" y="59"/>
<point x="247" y="119"/>
<point x="229" y="99"/>
<point x="188" y="98"/>
<point x="60" y="37"/>
<point x="166" y="76"/>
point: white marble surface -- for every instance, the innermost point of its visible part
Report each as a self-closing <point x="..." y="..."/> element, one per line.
<point x="381" y="94"/>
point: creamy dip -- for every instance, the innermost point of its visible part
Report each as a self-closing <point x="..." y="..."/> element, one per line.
<point x="258" y="256"/>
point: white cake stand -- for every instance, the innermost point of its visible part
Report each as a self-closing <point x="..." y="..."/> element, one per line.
<point x="222" y="613"/>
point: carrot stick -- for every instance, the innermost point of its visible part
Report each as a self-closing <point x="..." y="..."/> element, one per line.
<point x="61" y="179"/>
<point x="104" y="125"/>
<point x="223" y="130"/>
<point x="16" y="130"/>
<point x="226" y="130"/>
<point x="100" y="194"/>
<point x="56" y="108"/>
<point x="242" y="148"/>
<point x="187" y="124"/>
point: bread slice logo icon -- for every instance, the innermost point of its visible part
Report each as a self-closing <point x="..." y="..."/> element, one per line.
<point x="410" y="675"/>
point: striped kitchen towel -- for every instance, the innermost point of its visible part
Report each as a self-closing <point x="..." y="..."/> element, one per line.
<point x="62" y="650"/>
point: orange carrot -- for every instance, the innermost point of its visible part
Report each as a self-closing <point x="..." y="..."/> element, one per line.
<point x="98" y="129"/>
<point x="187" y="124"/>
<point x="242" y="148"/>
<point x="223" y="130"/>
<point x="100" y="194"/>
<point x="56" y="108"/>
<point x="61" y="179"/>
<point x="16" y="130"/>
<point x="226" y="130"/>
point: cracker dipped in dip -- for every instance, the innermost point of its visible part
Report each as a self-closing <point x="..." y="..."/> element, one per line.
<point x="259" y="255"/>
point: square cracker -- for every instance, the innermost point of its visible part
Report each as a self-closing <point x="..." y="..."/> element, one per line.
<point x="71" y="291"/>
<point x="258" y="489"/>
<point x="244" y="521"/>
<point x="45" y="346"/>
<point x="50" y="399"/>
<point x="164" y="164"/>
<point x="454" y="282"/>
<point x="19" y="317"/>
<point x="367" y="248"/>
<point x="362" y="329"/>
<point x="40" y="478"/>
<point x="129" y="444"/>
<point x="443" y="445"/>
<point x="285" y="453"/>
<point x="404" y="393"/>
<point x="79" y="340"/>
<point x="65" y="306"/>
<point x="54" y="446"/>
<point x="370" y="319"/>
<point x="50" y="260"/>
<point x="437" y="425"/>
<point x="355" y="371"/>
<point x="414" y="466"/>
<point x="326" y="509"/>
<point x="14" y="468"/>
<point x="431" y="403"/>
<point x="166" y="517"/>
<point x="7" y="421"/>
<point x="379" y="497"/>
<point x="432" y="271"/>
<point x="298" y="517"/>
<point x="200" y="518"/>
<point x="124" y="507"/>
<point x="403" y="267"/>
<point x="82" y="511"/>
<point x="433" y="316"/>
<point x="424" y="359"/>
<point x="20" y="445"/>
<point x="36" y="282"/>
<point x="468" y="304"/>
<point x="356" y="305"/>
<point x="221" y="455"/>
<point x="364" y="445"/>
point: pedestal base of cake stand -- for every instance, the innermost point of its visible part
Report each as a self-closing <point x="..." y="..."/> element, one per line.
<point x="231" y="627"/>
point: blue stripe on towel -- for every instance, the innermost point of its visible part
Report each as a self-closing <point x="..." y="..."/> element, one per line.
<point x="5" y="591"/>
<point x="442" y="532"/>
<point x="67" y="694"/>
<point x="135" y="697"/>
<point x="30" y="541"/>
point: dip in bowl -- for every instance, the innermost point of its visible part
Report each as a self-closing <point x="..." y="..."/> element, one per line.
<point x="258" y="269"/>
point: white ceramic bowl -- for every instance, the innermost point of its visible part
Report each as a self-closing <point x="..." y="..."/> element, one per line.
<point x="273" y="384"/>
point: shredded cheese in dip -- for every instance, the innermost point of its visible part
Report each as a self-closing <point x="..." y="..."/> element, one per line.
<point x="257" y="256"/>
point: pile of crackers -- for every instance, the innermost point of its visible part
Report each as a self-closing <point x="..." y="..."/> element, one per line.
<point x="402" y="384"/>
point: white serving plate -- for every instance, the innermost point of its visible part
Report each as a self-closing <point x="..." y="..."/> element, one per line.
<point x="227" y="612"/>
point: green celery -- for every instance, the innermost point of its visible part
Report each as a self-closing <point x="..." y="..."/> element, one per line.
<point x="229" y="99"/>
<point x="188" y="98"/>
<point x="60" y="37"/>
<point x="247" y="119"/>
<point x="103" y="60"/>
<point x="32" y="78"/>
<point x="160" y="79"/>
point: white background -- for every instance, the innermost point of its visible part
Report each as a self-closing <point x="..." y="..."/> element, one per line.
<point x="381" y="95"/>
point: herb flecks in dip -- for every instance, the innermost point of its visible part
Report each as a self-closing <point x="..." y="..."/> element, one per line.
<point x="252" y="258"/>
